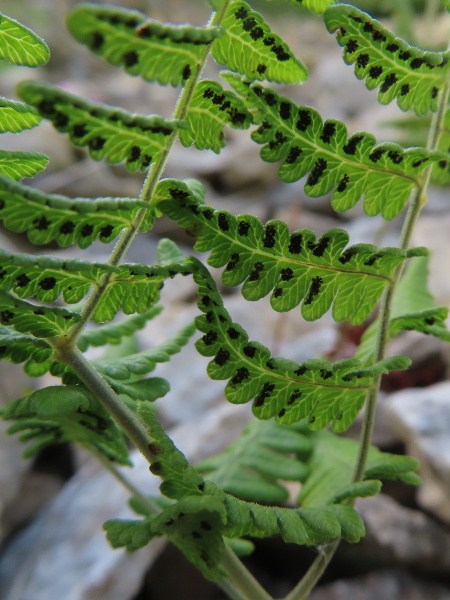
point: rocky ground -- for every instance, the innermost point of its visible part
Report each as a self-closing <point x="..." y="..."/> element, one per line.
<point x="52" y="508"/>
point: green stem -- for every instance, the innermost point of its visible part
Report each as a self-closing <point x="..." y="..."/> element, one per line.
<point x="124" y="416"/>
<point x="148" y="189"/>
<point x="314" y="573"/>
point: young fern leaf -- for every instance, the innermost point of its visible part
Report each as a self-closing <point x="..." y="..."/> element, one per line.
<point x="40" y="321"/>
<point x="109" y="133"/>
<point x="155" y="51"/>
<point x="18" y="348"/>
<point x="324" y="393"/>
<point x="48" y="217"/>
<point x="413" y="308"/>
<point x="331" y="466"/>
<point x="21" y="46"/>
<point x="17" y="116"/>
<point x="352" y="167"/>
<point x="403" y="72"/>
<point x="250" y="467"/>
<point x="250" y="48"/>
<point x="212" y="108"/>
<point x="59" y="414"/>
<point x="113" y="333"/>
<point x="17" y="165"/>
<point x="295" y="266"/>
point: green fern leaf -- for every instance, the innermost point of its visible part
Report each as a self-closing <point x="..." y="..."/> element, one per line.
<point x="155" y="51"/>
<point x="128" y="534"/>
<point x="47" y="277"/>
<point x="180" y="480"/>
<point x="304" y="526"/>
<point x="250" y="468"/>
<point x="401" y="71"/>
<point x="17" y="116"/>
<point x="48" y="217"/>
<point x="18" y="348"/>
<point x="331" y="470"/>
<point x="40" y="321"/>
<point x="109" y="133"/>
<point x="253" y="50"/>
<point x="413" y="308"/>
<point x="113" y="333"/>
<point x="212" y="108"/>
<point x="296" y="267"/>
<point x="21" y="46"/>
<point x="351" y="167"/>
<point x="59" y="414"/>
<point x="323" y="392"/>
<point x="17" y="165"/>
<point x="135" y="288"/>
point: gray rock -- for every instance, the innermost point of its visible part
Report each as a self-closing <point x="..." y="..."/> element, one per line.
<point x="64" y="553"/>
<point x="389" y="585"/>
<point x="392" y="533"/>
<point x="421" y="418"/>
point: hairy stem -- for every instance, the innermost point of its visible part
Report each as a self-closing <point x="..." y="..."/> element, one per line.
<point x="151" y="180"/>
<point x="314" y="573"/>
<point x="124" y="416"/>
<point x="241" y="578"/>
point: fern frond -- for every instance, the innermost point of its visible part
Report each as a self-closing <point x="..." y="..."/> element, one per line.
<point x="295" y="266"/>
<point x="250" y="48"/>
<point x="403" y="72"/>
<point x="109" y="133"/>
<point x="17" y="165"/>
<point x="18" y="348"/>
<point x="40" y="321"/>
<point x="441" y="169"/>
<point x="48" y="217"/>
<point x="135" y="288"/>
<point x="250" y="467"/>
<point x="47" y="277"/>
<point x="212" y="108"/>
<point x="323" y="392"/>
<point x="304" y="526"/>
<point x="355" y="166"/>
<point x="331" y="468"/>
<point x="21" y="46"/>
<point x="59" y="414"/>
<point x="413" y="308"/>
<point x="113" y="333"/>
<point x="17" y="116"/>
<point x="155" y="51"/>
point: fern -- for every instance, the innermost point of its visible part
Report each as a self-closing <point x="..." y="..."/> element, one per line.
<point x="251" y="467"/>
<point x="295" y="266"/>
<point x="59" y="414"/>
<point x="253" y="50"/>
<point x="323" y="392"/>
<point x="385" y="174"/>
<point x="17" y="116"/>
<point x="17" y="165"/>
<point x="48" y="217"/>
<point x="413" y="308"/>
<point x="21" y="46"/>
<point x="211" y="109"/>
<point x="109" y="133"/>
<point x="38" y="320"/>
<point x="331" y="470"/>
<point x="17" y="347"/>
<point x="401" y="71"/>
<point x="155" y="51"/>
